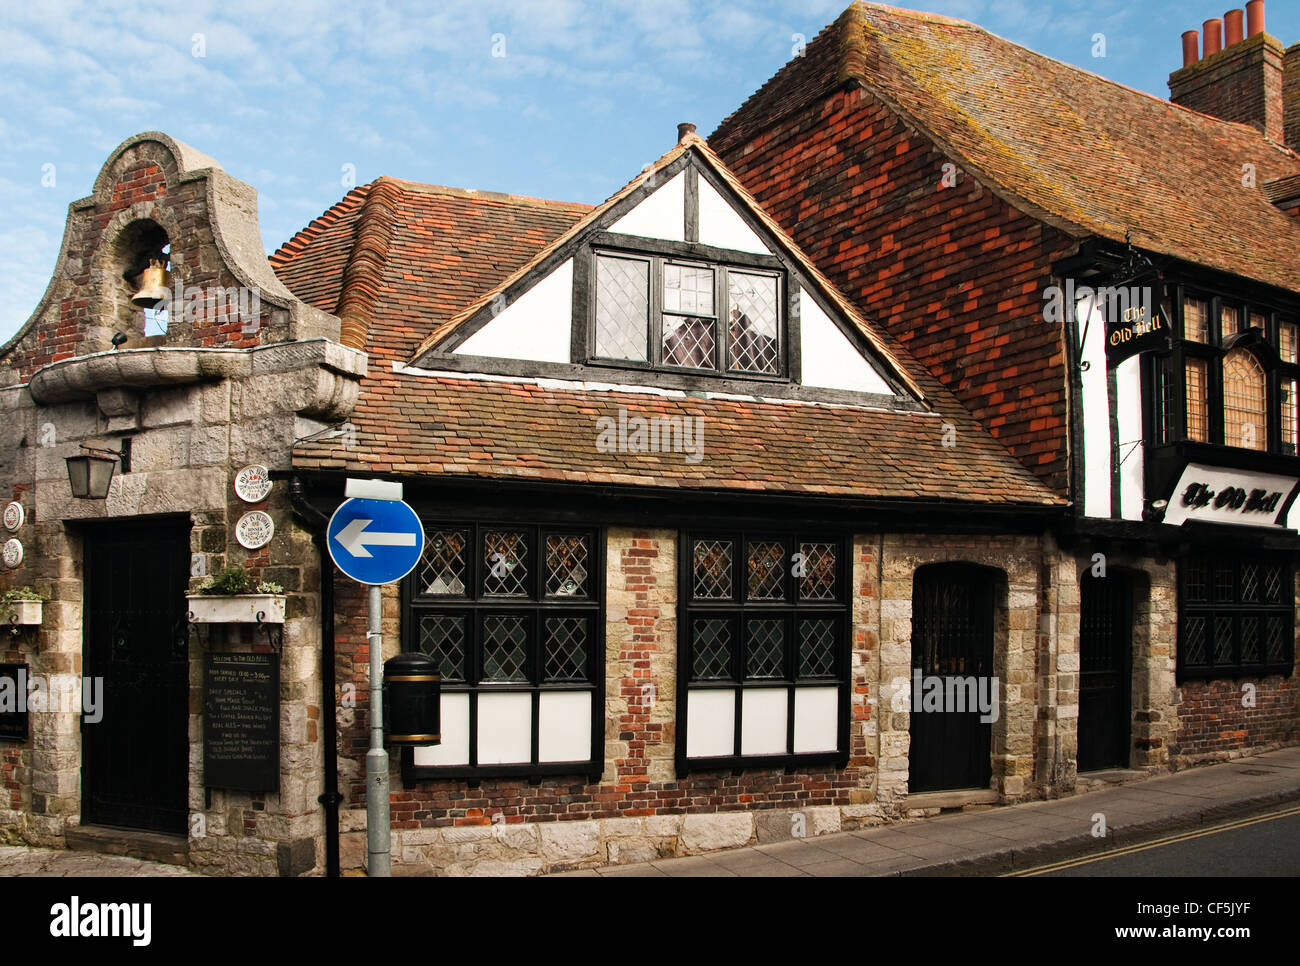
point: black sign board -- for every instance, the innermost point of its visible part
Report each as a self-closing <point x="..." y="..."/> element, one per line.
<point x="13" y="702"/>
<point x="241" y="722"/>
<point x="1135" y="322"/>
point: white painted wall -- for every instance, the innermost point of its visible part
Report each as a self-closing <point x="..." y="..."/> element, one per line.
<point x="564" y="726"/>
<point x="1096" y="415"/>
<point x="505" y="728"/>
<point x="661" y="214"/>
<point x="1128" y="388"/>
<point x="721" y="227"/>
<point x="829" y="359"/>
<point x="454" y="721"/>
<point x="537" y="325"/>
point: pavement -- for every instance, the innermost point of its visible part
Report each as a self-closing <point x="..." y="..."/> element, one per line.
<point x="1012" y="838"/>
<point x="987" y="842"/>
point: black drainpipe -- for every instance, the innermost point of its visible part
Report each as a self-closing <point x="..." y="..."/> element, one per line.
<point x="316" y="524"/>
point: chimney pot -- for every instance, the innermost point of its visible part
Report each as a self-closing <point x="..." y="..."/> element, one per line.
<point x="1233" y="28"/>
<point x="683" y="129"/>
<point x="1254" y="18"/>
<point x="1191" y="47"/>
<point x="1213" y="36"/>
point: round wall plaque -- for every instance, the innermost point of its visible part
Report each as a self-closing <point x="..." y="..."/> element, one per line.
<point x="14" y="515"/>
<point x="253" y="483"/>
<point x="254" y="530"/>
<point x="13" y="553"/>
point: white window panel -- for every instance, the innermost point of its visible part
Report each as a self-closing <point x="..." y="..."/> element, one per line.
<point x="711" y="723"/>
<point x="763" y="715"/>
<point x="564" y="723"/>
<point x="505" y="728"/>
<point x="454" y="749"/>
<point x="816" y="719"/>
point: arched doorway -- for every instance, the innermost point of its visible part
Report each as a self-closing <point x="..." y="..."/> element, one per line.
<point x="1105" y="670"/>
<point x="952" y="674"/>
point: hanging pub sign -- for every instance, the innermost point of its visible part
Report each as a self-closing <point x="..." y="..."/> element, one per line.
<point x="1217" y="495"/>
<point x="1136" y="321"/>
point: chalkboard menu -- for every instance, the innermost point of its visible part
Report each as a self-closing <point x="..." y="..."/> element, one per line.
<point x="241" y="722"/>
<point x="13" y="702"/>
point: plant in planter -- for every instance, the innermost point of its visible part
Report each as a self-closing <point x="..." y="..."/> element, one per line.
<point x="228" y="598"/>
<point x="21" y="606"/>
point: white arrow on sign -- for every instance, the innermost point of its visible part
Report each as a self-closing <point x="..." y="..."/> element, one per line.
<point x="354" y="539"/>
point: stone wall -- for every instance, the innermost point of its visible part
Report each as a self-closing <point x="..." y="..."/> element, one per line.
<point x="196" y="405"/>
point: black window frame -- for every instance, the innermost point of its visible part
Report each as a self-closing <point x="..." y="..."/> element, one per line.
<point x="687" y="254"/>
<point x="738" y="609"/>
<point x="1170" y="379"/>
<point x="475" y="606"/>
<point x="1211" y="607"/>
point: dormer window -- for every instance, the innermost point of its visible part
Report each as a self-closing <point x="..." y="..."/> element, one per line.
<point x="664" y="312"/>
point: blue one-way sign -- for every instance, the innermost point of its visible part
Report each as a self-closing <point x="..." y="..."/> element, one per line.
<point x="375" y="541"/>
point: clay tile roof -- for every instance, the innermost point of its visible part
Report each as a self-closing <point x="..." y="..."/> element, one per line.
<point x="1088" y="155"/>
<point x="406" y="259"/>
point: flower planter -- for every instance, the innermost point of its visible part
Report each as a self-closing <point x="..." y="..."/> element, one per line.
<point x="236" y="609"/>
<point x="21" y="611"/>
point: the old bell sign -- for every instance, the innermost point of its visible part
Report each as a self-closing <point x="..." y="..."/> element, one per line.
<point x="1135" y="322"/>
<point x="412" y="700"/>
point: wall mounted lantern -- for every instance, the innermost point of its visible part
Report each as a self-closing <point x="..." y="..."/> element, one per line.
<point x="91" y="471"/>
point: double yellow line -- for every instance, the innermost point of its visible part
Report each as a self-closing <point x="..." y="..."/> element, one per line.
<point x="1155" y="843"/>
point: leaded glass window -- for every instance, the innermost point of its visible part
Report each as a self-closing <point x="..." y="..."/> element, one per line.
<point x="1235" y="615"/>
<point x="765" y="644"/>
<point x="512" y="614"/>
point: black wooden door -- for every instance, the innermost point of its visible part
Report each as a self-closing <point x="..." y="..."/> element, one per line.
<point x="135" y="760"/>
<point x="952" y="636"/>
<point x="1105" y="639"/>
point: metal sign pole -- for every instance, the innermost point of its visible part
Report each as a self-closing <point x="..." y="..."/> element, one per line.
<point x="378" y="836"/>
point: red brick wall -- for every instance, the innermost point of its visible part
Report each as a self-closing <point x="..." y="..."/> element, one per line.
<point x="955" y="273"/>
<point x="1212" y="718"/>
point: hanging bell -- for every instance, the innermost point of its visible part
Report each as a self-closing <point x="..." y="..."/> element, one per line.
<point x="154" y="286"/>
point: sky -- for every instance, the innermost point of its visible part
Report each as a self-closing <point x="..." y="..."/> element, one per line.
<point x="564" y="99"/>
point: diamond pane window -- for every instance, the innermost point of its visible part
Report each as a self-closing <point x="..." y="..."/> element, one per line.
<point x="712" y="650"/>
<point x="442" y="637"/>
<point x="690" y="342"/>
<point x="505" y="563"/>
<point x="1196" y="320"/>
<point x="766" y="571"/>
<point x="514" y="617"/>
<point x="505" y="648"/>
<point x="817" y="648"/>
<point x="713" y="570"/>
<point x="622" y="308"/>
<point x="765" y="648"/>
<point x="818" y="565"/>
<point x="768" y="680"/>
<point x="443" y="565"/>
<point x="566" y="566"/>
<point x="752" y="332"/>
<point x="1235" y="616"/>
<point x="566" y="648"/>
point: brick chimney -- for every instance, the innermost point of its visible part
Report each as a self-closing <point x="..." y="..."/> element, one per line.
<point x="1242" y="81"/>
